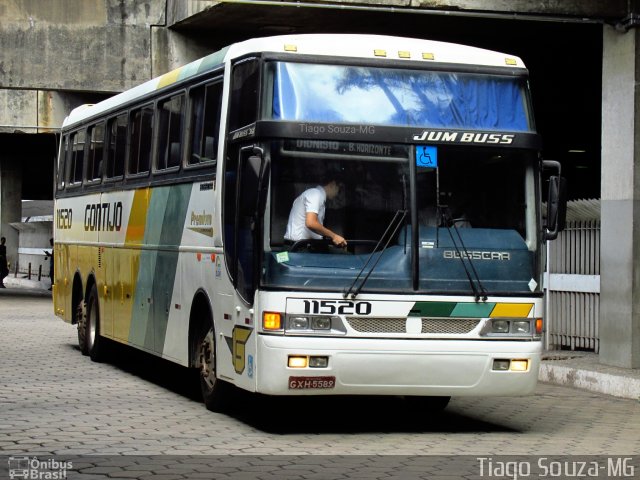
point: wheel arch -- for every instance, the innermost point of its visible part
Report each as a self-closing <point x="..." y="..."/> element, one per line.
<point x="199" y="317"/>
<point x="77" y="296"/>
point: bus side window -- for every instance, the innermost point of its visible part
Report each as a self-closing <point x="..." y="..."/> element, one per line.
<point x="206" y="103"/>
<point x="244" y="94"/>
<point x="141" y="134"/>
<point x="62" y="162"/>
<point x="170" y="127"/>
<point x="96" y="149"/>
<point x="117" y="141"/>
<point x="77" y="157"/>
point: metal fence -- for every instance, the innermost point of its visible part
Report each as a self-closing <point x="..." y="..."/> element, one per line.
<point x="572" y="281"/>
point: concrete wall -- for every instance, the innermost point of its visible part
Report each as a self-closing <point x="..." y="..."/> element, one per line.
<point x="51" y="49"/>
<point x="193" y="12"/>
<point x="620" y="190"/>
<point x="10" y="210"/>
<point x="105" y="44"/>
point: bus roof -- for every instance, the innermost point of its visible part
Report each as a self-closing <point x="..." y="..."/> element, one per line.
<point x="335" y="45"/>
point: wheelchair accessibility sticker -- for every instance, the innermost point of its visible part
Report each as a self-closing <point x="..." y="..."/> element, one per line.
<point x="426" y="156"/>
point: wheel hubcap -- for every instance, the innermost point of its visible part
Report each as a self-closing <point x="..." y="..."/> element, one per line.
<point x="206" y="359"/>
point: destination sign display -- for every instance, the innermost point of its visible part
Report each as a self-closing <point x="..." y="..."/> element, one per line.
<point x="387" y="135"/>
<point x="346" y="148"/>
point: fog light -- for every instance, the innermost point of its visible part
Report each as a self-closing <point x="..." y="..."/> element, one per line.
<point x="500" y="326"/>
<point x="271" y="321"/>
<point x="318" y="362"/>
<point x="519" y="365"/>
<point x="296" y="361"/>
<point x="321" y="323"/>
<point x="298" y="323"/>
<point x="520" y="326"/>
<point x="501" y="365"/>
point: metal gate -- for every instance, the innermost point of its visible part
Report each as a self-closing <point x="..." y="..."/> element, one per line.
<point x="572" y="280"/>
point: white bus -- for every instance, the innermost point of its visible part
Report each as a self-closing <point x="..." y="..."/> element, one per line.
<point x="172" y="201"/>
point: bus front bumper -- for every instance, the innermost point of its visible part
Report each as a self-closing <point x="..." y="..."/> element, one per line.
<point x="396" y="367"/>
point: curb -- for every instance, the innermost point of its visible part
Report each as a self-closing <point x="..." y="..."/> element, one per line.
<point x="610" y="384"/>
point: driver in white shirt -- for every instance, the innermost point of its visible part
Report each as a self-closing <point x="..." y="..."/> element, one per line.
<point x="307" y="215"/>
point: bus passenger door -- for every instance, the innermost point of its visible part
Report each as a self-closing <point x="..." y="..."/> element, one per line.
<point x="243" y="172"/>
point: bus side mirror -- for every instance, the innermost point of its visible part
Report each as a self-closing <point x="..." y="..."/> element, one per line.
<point x="556" y="202"/>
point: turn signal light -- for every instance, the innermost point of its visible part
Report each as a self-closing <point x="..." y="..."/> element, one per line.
<point x="272" y="321"/>
<point x="539" y="326"/>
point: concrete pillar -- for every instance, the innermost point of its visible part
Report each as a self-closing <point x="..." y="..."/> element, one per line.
<point x="620" y="237"/>
<point x="10" y="205"/>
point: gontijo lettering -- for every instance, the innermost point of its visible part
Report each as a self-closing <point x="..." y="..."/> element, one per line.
<point x="103" y="217"/>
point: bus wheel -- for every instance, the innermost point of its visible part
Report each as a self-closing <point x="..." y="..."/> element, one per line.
<point x="215" y="392"/>
<point x="93" y="341"/>
<point x="81" y="321"/>
<point x="427" y="404"/>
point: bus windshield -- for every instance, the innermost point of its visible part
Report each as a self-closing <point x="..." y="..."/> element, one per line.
<point x="398" y="97"/>
<point x="477" y="206"/>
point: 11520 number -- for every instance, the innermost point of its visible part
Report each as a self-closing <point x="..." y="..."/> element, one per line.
<point x="333" y="307"/>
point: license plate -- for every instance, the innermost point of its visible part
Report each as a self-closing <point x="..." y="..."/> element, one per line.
<point x="301" y="383"/>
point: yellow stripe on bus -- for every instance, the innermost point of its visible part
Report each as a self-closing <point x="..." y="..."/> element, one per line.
<point x="138" y="217"/>
<point x="518" y="310"/>
<point x="169" y="78"/>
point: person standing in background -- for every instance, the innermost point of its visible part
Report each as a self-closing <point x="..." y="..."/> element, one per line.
<point x="50" y="254"/>
<point x="4" y="268"/>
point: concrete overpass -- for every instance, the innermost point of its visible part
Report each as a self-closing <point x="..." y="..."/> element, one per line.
<point x="583" y="57"/>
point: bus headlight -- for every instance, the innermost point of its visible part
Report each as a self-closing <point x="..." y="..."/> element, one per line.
<point x="321" y="323"/>
<point x="314" y="324"/>
<point x="500" y="326"/>
<point x="298" y="323"/>
<point x="511" y="327"/>
<point x="521" y="326"/>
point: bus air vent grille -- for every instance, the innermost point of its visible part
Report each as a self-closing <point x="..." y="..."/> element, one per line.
<point x="378" y="325"/>
<point x="430" y="326"/>
<point x="449" y="325"/>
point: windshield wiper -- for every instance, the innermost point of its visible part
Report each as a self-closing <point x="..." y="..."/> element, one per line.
<point x="479" y="291"/>
<point x="393" y="227"/>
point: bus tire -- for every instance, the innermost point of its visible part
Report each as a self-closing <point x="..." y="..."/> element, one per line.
<point x="427" y="405"/>
<point x="94" y="343"/>
<point x="81" y="322"/>
<point x="215" y="392"/>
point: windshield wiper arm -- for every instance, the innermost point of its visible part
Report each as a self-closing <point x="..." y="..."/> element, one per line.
<point x="395" y="223"/>
<point x="478" y="291"/>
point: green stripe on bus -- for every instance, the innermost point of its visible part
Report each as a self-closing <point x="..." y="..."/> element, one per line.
<point x="451" y="309"/>
<point x="432" y="309"/>
<point x="473" y="310"/>
<point x="211" y="61"/>
<point x="167" y="264"/>
<point x="156" y="278"/>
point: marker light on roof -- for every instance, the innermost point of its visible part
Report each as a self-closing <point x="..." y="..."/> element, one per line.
<point x="404" y="54"/>
<point x="380" y="53"/>
<point x="428" y="56"/>
<point x="510" y="61"/>
<point x="290" y="48"/>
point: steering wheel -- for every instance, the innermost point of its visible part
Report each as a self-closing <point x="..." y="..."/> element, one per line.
<point x="311" y="243"/>
<point x="324" y="244"/>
